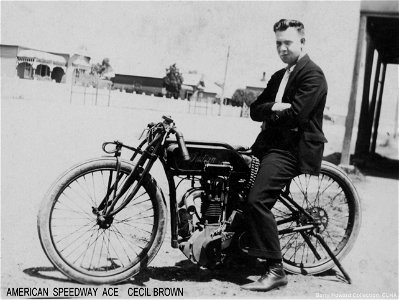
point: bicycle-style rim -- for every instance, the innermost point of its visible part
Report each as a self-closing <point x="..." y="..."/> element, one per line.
<point x="331" y="204"/>
<point x="83" y="244"/>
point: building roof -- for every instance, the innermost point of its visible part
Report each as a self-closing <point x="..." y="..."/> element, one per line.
<point x="82" y="51"/>
<point x="134" y="79"/>
<point x="81" y="62"/>
<point x="383" y="27"/>
<point x="193" y="79"/>
<point x="379" y="7"/>
<point x="42" y="56"/>
<point x="229" y="91"/>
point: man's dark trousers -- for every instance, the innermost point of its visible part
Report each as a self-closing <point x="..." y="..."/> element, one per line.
<point x="277" y="168"/>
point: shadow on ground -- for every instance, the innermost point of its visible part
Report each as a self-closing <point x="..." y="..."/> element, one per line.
<point x="48" y="273"/>
<point x="187" y="271"/>
<point x="184" y="271"/>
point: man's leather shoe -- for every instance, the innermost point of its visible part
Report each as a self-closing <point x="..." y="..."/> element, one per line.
<point x="273" y="278"/>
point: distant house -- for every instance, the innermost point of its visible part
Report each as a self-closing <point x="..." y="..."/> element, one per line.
<point x="154" y="86"/>
<point x="207" y="90"/>
<point x="257" y="86"/>
<point x="138" y="84"/>
<point x="29" y="63"/>
<point x="78" y="65"/>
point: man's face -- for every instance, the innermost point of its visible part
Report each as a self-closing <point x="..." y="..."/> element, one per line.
<point x="289" y="45"/>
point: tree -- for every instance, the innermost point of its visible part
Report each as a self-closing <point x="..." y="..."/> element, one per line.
<point x="99" y="76"/>
<point x="96" y="69"/>
<point x="172" y="81"/>
<point x="240" y="96"/>
<point x="103" y="70"/>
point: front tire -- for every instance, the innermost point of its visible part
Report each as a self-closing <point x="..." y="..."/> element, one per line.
<point x="83" y="250"/>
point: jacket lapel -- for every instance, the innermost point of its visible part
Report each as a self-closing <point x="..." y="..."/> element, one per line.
<point x="299" y="65"/>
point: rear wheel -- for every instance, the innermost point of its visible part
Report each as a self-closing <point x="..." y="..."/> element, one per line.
<point x="95" y="251"/>
<point x="333" y="201"/>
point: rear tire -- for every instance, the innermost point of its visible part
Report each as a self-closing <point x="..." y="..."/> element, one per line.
<point x="72" y="238"/>
<point x="333" y="199"/>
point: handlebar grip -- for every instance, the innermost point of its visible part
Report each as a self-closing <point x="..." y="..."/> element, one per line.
<point x="182" y="146"/>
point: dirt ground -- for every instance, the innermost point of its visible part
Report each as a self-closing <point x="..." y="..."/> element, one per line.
<point x="40" y="140"/>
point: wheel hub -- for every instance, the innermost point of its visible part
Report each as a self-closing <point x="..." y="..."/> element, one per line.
<point x="320" y="216"/>
<point x="104" y="222"/>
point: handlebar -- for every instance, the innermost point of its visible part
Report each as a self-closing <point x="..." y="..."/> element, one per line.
<point x="169" y="123"/>
<point x="179" y="137"/>
<point x="182" y="146"/>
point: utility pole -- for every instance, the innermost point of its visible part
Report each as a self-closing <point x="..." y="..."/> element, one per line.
<point x="224" y="83"/>
<point x="395" y="130"/>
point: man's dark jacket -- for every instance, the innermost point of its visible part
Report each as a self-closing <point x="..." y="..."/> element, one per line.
<point x="300" y="126"/>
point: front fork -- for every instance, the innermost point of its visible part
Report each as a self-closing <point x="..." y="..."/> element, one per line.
<point x="106" y="210"/>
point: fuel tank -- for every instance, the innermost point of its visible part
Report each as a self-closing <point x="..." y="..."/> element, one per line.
<point x="202" y="153"/>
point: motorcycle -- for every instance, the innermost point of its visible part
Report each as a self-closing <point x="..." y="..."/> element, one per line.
<point x="104" y="220"/>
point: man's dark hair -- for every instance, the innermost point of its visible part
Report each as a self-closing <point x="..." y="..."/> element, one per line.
<point x="283" y="24"/>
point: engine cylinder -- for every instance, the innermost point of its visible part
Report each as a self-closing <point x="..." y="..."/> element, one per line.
<point x="211" y="211"/>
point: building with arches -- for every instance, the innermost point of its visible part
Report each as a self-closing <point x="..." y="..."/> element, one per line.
<point x="27" y="63"/>
<point x="38" y="64"/>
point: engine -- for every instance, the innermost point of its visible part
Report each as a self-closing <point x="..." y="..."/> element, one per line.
<point x="207" y="221"/>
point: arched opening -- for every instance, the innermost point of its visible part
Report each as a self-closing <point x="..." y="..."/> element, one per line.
<point x="42" y="71"/>
<point x="57" y="74"/>
<point x="25" y="71"/>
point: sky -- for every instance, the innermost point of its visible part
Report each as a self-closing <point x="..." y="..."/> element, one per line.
<point x="144" y="38"/>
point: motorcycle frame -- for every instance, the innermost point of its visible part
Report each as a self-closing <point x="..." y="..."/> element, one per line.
<point x="152" y="153"/>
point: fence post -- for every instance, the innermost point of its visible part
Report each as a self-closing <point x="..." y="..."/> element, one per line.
<point x="95" y="101"/>
<point x="84" y="96"/>
<point x="109" y="93"/>
<point x="70" y="99"/>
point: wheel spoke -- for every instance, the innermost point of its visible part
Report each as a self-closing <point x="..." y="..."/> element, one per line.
<point x="325" y="199"/>
<point x="98" y="247"/>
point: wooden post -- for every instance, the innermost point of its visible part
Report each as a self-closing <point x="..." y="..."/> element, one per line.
<point x="375" y="89"/>
<point x="109" y="94"/>
<point x="84" y="96"/>
<point x="70" y="100"/>
<point x="395" y="125"/>
<point x="350" y="117"/>
<point x="364" y="131"/>
<point x="378" y="112"/>
<point x="95" y="101"/>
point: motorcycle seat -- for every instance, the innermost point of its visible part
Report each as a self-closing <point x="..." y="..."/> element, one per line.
<point x="243" y="150"/>
<point x="246" y="154"/>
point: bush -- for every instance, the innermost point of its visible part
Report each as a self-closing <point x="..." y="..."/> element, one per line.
<point x="240" y="96"/>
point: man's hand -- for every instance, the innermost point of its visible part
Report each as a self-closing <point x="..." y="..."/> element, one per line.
<point x="279" y="106"/>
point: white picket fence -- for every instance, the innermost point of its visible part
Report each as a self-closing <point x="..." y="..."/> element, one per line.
<point x="57" y="92"/>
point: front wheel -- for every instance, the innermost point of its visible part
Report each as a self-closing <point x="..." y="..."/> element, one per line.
<point x="83" y="248"/>
<point x="332" y="200"/>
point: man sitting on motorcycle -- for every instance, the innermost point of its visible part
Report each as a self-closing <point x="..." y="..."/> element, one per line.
<point x="291" y="142"/>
